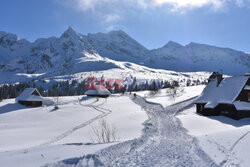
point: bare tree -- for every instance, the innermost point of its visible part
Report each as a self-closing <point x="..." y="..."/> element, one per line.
<point x="103" y="132"/>
<point x="174" y="88"/>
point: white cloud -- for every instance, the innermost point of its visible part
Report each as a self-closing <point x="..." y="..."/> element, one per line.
<point x="88" y="5"/>
<point x="189" y="3"/>
<point x="111" y="18"/>
<point x="111" y="9"/>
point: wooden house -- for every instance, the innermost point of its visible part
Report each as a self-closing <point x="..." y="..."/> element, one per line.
<point x="227" y="96"/>
<point x="30" y="97"/>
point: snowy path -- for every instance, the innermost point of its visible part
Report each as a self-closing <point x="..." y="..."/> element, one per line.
<point x="164" y="142"/>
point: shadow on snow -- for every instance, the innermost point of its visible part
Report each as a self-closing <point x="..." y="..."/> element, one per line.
<point x="11" y="107"/>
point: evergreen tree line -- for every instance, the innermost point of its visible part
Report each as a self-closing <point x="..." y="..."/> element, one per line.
<point x="153" y="86"/>
<point x="66" y="88"/>
<point x="13" y="90"/>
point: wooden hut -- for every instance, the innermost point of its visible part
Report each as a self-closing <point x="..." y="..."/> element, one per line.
<point x="229" y="96"/>
<point x="30" y="97"/>
<point x="98" y="91"/>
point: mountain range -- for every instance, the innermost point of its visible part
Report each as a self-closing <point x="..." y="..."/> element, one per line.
<point x="73" y="52"/>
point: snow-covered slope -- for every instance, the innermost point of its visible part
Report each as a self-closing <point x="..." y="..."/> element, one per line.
<point x="11" y="48"/>
<point x="126" y="69"/>
<point x="68" y="54"/>
<point x="118" y="45"/>
<point x="73" y="52"/>
<point x="199" y="57"/>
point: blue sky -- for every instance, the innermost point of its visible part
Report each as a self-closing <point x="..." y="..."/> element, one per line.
<point x="153" y="23"/>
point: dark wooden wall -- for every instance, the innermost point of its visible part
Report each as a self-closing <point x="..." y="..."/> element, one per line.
<point x="31" y="103"/>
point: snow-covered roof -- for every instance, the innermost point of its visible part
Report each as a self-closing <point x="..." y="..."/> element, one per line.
<point x="240" y="105"/>
<point x="226" y="92"/>
<point x="97" y="90"/>
<point x="247" y="87"/>
<point x="28" y="95"/>
<point x="211" y="104"/>
<point x="208" y="92"/>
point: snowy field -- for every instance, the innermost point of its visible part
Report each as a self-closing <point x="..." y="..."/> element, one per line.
<point x="36" y="136"/>
<point x="165" y="97"/>
<point x="39" y="136"/>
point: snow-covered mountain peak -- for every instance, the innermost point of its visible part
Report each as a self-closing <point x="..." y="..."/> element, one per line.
<point x="112" y="36"/>
<point x="117" y="45"/>
<point x="7" y="39"/>
<point x="70" y="33"/>
<point x="172" y="44"/>
<point x="198" y="45"/>
<point x="193" y="44"/>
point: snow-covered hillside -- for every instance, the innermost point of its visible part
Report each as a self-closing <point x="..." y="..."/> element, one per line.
<point x="199" y="57"/>
<point x="126" y="69"/>
<point x="119" y="46"/>
<point x="73" y="53"/>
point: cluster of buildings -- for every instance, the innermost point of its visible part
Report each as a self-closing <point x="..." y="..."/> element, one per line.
<point x="31" y="96"/>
